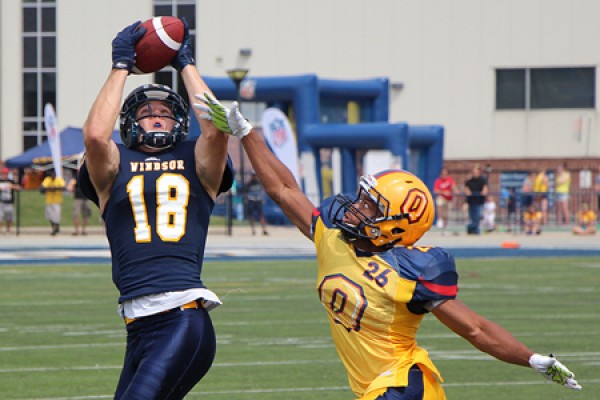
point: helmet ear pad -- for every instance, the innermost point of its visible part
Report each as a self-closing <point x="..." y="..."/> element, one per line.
<point x="129" y="133"/>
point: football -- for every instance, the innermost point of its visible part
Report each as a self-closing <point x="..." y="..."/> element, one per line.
<point x="159" y="44"/>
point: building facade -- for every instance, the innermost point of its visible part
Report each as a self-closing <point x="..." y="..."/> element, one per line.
<point x="509" y="80"/>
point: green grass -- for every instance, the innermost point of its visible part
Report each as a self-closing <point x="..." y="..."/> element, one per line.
<point x="60" y="336"/>
<point x="32" y="208"/>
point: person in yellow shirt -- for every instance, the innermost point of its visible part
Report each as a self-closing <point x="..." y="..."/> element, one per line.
<point x="563" y="187"/>
<point x="375" y="284"/>
<point x="586" y="221"/>
<point x="53" y="187"/>
<point x="540" y="188"/>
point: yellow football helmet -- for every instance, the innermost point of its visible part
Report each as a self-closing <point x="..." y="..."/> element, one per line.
<point x="405" y="209"/>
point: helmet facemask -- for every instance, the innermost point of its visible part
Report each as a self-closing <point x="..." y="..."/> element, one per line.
<point x="156" y="139"/>
<point x="133" y="135"/>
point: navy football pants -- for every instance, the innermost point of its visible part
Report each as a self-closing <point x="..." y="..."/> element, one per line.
<point x="414" y="391"/>
<point x="167" y="354"/>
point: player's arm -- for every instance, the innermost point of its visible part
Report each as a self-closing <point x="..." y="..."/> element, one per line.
<point x="496" y="341"/>
<point x="211" y="146"/>
<point x="279" y="183"/>
<point x="482" y="333"/>
<point x="101" y="152"/>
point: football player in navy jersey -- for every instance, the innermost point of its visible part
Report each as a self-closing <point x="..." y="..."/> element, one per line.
<point x="374" y="282"/>
<point x="156" y="192"/>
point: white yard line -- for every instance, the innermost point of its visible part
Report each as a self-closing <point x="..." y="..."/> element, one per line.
<point x="586" y="358"/>
<point x="317" y="389"/>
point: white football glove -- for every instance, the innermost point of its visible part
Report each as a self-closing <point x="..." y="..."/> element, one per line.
<point x="554" y="370"/>
<point x="228" y="120"/>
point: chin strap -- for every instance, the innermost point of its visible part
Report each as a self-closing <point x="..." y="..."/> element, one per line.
<point x="150" y="139"/>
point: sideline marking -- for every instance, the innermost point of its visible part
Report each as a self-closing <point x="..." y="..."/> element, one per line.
<point x="321" y="389"/>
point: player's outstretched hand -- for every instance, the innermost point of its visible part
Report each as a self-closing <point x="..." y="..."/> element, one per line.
<point x="226" y="120"/>
<point x="185" y="55"/>
<point x="554" y="370"/>
<point x="123" y="46"/>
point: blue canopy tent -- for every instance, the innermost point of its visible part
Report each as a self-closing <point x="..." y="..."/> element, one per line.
<point x="71" y="145"/>
<point x="40" y="157"/>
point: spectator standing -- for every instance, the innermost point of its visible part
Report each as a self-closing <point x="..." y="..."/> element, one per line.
<point x="540" y="188"/>
<point x="586" y="221"/>
<point x="255" y="198"/>
<point x="527" y="190"/>
<point x="81" y="208"/>
<point x="7" y="198"/>
<point x="527" y="195"/>
<point x="444" y="188"/>
<point x="562" y="187"/>
<point x="476" y="190"/>
<point x="53" y="187"/>
<point x="511" y="209"/>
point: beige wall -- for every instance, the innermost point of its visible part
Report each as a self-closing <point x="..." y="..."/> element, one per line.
<point x="445" y="52"/>
<point x="85" y="30"/>
<point x="11" y="86"/>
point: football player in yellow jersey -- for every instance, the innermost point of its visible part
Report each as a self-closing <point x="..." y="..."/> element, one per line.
<point x="374" y="282"/>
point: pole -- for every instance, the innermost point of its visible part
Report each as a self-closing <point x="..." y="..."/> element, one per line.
<point x="237" y="75"/>
<point x="242" y="181"/>
<point x="229" y="213"/>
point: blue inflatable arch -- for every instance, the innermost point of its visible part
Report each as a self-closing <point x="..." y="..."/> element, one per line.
<point x="420" y="148"/>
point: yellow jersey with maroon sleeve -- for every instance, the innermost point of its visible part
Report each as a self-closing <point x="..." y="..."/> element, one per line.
<point x="376" y="302"/>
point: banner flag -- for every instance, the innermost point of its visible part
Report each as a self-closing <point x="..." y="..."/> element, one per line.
<point x="53" y="138"/>
<point x="279" y="135"/>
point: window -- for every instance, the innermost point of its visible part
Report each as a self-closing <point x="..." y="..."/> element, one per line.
<point x="563" y="88"/>
<point x="545" y="88"/>
<point x="510" y="89"/>
<point x="39" y="67"/>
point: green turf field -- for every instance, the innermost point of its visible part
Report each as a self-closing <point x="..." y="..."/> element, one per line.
<point x="60" y="337"/>
<point x="31" y="209"/>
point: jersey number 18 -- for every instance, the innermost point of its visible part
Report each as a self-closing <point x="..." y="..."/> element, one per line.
<point x="172" y="196"/>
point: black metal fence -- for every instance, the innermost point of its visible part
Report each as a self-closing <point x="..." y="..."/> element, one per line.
<point x="459" y="217"/>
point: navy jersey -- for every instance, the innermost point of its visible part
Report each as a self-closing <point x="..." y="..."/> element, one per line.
<point x="156" y="220"/>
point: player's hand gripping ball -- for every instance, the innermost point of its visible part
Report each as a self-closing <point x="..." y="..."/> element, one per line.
<point x="159" y="45"/>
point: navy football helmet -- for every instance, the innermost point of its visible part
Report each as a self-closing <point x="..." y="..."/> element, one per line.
<point x="133" y="135"/>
